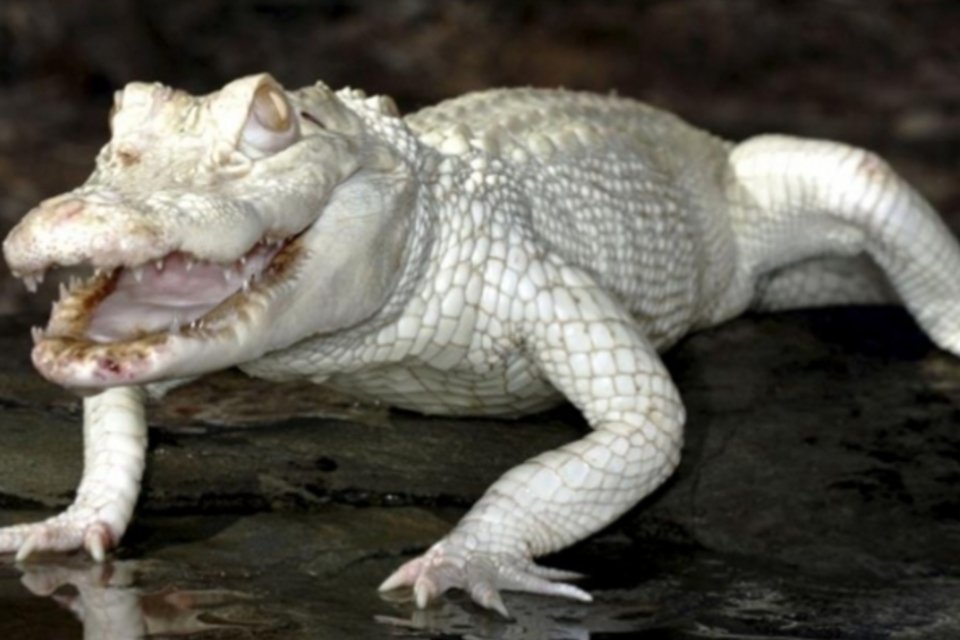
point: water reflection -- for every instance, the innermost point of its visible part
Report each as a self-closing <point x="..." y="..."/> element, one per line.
<point x="107" y="602"/>
<point x="532" y="618"/>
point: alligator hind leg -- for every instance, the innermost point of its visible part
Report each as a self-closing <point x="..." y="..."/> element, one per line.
<point x="796" y="200"/>
<point x="821" y="282"/>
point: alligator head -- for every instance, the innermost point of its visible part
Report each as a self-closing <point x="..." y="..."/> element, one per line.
<point x="219" y="228"/>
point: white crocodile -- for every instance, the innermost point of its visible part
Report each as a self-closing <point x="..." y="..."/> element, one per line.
<point x="493" y="255"/>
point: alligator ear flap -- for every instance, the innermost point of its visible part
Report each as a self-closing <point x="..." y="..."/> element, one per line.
<point x="271" y="124"/>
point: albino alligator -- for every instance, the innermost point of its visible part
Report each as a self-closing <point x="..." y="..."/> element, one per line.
<point x="489" y="255"/>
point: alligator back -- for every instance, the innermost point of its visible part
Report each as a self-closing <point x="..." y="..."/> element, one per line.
<point x="632" y="194"/>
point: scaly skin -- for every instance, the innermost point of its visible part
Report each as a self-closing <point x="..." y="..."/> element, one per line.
<point x="493" y="255"/>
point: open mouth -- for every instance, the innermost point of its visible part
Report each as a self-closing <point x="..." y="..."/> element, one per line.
<point x="175" y="294"/>
<point x="171" y="316"/>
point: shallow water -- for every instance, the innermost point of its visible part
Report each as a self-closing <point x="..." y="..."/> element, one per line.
<point x="277" y="576"/>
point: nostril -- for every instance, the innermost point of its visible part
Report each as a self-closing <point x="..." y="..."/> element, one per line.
<point x="68" y="209"/>
<point x="127" y="155"/>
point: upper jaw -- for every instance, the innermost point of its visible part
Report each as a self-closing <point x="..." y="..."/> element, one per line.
<point x="96" y="229"/>
<point x="103" y="230"/>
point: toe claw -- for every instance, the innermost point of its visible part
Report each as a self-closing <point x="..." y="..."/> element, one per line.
<point x="423" y="592"/>
<point x="28" y="547"/>
<point x="94" y="543"/>
<point x="570" y="591"/>
<point x="530" y="578"/>
<point x="405" y="576"/>
<point x="490" y="598"/>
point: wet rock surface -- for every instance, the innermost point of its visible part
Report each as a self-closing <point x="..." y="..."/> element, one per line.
<point x="817" y="498"/>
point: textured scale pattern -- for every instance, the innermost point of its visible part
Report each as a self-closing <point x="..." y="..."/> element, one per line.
<point x="553" y="242"/>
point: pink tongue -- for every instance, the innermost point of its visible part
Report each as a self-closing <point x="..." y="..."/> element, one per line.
<point x="177" y="286"/>
<point x="162" y="299"/>
<point x="171" y="296"/>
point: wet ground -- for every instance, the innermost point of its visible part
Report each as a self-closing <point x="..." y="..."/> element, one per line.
<point x="278" y="576"/>
<point x="817" y="499"/>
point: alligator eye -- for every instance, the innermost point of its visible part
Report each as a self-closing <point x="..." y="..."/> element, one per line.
<point x="270" y="109"/>
<point x="270" y="125"/>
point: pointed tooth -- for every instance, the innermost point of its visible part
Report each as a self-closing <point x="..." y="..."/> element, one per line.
<point x="64" y="291"/>
<point x="188" y="264"/>
<point x="158" y="264"/>
<point x="30" y="282"/>
<point x="37" y="334"/>
<point x="137" y="274"/>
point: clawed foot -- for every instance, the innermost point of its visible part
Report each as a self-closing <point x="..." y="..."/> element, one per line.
<point x="482" y="575"/>
<point x="69" y="531"/>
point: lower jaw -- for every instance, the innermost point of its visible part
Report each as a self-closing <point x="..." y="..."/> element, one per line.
<point x="67" y="355"/>
<point x="84" y="365"/>
<point x="234" y="332"/>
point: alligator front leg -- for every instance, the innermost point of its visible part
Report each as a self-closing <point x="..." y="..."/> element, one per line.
<point x="595" y="353"/>
<point x="115" y="445"/>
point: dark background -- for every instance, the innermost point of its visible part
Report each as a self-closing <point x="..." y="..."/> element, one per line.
<point x="880" y="73"/>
